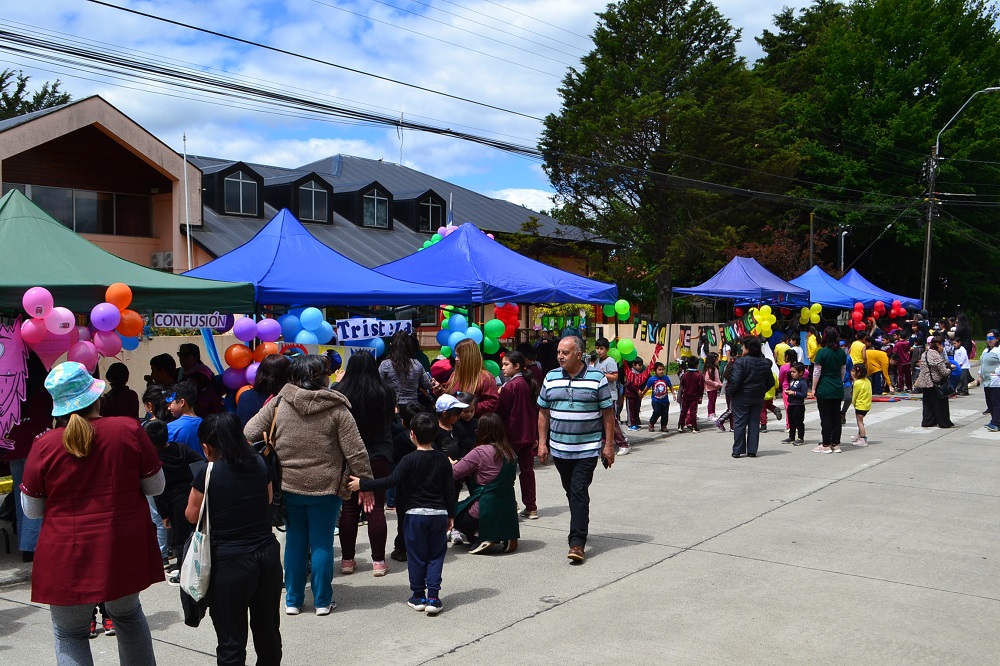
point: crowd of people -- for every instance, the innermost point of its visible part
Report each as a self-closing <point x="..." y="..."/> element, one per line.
<point x="444" y="446"/>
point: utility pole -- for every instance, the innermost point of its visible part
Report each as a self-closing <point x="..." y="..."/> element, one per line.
<point x="812" y="219"/>
<point x="931" y="212"/>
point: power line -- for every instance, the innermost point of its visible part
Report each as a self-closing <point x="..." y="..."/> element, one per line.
<point x="497" y="4"/>
<point x="310" y="58"/>
<point x="499" y="20"/>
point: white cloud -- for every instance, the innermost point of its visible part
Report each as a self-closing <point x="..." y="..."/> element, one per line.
<point x="500" y="75"/>
<point x="536" y="200"/>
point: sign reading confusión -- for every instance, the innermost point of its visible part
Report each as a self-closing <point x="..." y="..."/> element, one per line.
<point x="214" y="320"/>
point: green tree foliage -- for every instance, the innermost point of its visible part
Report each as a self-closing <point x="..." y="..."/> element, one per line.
<point x="652" y="105"/>
<point x="866" y="88"/>
<point x="15" y="100"/>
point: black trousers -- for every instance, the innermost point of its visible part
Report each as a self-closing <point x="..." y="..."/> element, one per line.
<point x="796" y="421"/>
<point x="251" y="583"/>
<point x="993" y="403"/>
<point x="576" y="475"/>
<point x="936" y="410"/>
<point x="746" y="425"/>
<point x="829" y="420"/>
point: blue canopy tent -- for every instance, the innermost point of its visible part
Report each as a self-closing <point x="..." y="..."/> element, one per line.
<point x="468" y="260"/>
<point x="289" y="266"/>
<point x="745" y="280"/>
<point x="828" y="292"/>
<point x="855" y="280"/>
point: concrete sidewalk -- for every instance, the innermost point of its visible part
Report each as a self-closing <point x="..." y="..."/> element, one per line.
<point x="883" y="555"/>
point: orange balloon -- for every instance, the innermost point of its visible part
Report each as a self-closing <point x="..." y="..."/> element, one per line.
<point x="242" y="390"/>
<point x="119" y="295"/>
<point x="265" y="349"/>
<point x="238" y="356"/>
<point x="131" y="324"/>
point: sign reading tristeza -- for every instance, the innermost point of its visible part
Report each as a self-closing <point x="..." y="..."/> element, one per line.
<point x="214" y="320"/>
<point x="366" y="329"/>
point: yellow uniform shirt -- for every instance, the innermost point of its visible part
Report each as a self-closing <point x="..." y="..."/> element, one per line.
<point x="858" y="352"/>
<point x="779" y="353"/>
<point x="862" y="396"/>
<point x="878" y="361"/>
<point x="812" y="346"/>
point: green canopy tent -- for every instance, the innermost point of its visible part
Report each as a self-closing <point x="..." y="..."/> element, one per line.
<point x="38" y="251"/>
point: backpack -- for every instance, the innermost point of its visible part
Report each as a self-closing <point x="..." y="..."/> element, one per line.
<point x="265" y="447"/>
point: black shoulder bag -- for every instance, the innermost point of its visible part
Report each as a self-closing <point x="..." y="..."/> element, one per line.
<point x="265" y="447"/>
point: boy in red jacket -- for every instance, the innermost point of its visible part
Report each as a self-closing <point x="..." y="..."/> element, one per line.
<point x="692" y="389"/>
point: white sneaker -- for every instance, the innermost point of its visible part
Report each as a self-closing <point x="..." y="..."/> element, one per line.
<point x="623" y="450"/>
<point x="292" y="610"/>
<point x="458" y="538"/>
<point x="326" y="610"/>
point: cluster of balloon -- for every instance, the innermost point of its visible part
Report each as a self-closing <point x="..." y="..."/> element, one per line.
<point x="897" y="310"/>
<point x="765" y="320"/>
<point x="441" y="234"/>
<point x="456" y="328"/>
<point x="52" y="331"/>
<point x="621" y="308"/>
<point x="622" y="350"/>
<point x="858" y="316"/>
<point x="811" y="314"/>
<point x="305" y="326"/>
<point x="243" y="361"/>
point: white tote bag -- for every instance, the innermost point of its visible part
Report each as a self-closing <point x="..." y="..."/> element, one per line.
<point x="197" y="566"/>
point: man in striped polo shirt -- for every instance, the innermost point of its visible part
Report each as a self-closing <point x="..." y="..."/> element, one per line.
<point x="576" y="421"/>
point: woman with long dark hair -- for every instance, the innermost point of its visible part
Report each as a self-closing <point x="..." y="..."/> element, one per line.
<point x="319" y="447"/>
<point x="272" y="375"/>
<point x="519" y="411"/>
<point x="401" y="372"/>
<point x="246" y="564"/>
<point x="373" y="405"/>
<point x="488" y="512"/>
<point x="828" y="387"/>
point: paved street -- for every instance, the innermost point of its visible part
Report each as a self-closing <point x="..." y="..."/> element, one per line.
<point x="883" y="555"/>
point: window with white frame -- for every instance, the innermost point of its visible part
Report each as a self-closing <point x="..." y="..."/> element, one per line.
<point x="312" y="202"/>
<point x="376" y="210"/>
<point x="431" y="215"/>
<point x="241" y="194"/>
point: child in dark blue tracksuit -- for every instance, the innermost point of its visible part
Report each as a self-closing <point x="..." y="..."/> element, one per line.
<point x="429" y="486"/>
<point x="796" y="392"/>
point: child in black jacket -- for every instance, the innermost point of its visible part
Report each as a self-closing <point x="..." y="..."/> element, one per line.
<point x="797" y="390"/>
<point x="177" y="460"/>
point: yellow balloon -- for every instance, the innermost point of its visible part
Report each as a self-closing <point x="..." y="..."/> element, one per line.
<point x="814" y="319"/>
<point x="766" y="331"/>
<point x="816" y="308"/>
<point x="765" y="310"/>
<point x="804" y="319"/>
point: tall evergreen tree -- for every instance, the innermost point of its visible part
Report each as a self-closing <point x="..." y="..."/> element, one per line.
<point x="15" y="100"/>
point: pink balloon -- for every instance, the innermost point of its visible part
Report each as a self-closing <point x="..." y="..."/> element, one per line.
<point x="105" y="317"/>
<point x="60" y="321"/>
<point x="234" y="379"/>
<point x="443" y="231"/>
<point x="108" y="343"/>
<point x="51" y="348"/>
<point x="84" y="353"/>
<point x="251" y="373"/>
<point x="490" y="236"/>
<point x="37" y="302"/>
<point x="33" y="331"/>
<point x="268" y="330"/>
<point x="83" y="334"/>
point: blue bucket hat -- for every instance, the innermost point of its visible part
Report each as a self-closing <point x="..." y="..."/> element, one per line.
<point x="72" y="388"/>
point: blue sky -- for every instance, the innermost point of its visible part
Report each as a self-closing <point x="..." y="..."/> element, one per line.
<point x="508" y="54"/>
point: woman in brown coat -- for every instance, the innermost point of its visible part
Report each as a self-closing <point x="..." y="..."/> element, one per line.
<point x="319" y="447"/>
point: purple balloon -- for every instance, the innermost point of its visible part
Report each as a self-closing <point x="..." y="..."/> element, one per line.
<point x="251" y="373"/>
<point x="234" y="379"/>
<point x="105" y="317"/>
<point x="245" y="329"/>
<point x="268" y="330"/>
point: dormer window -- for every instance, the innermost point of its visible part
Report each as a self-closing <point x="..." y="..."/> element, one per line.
<point x="313" y="202"/>
<point x="376" y="210"/>
<point x="431" y="215"/>
<point x="241" y="194"/>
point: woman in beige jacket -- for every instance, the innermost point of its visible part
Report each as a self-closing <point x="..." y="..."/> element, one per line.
<point x="319" y="446"/>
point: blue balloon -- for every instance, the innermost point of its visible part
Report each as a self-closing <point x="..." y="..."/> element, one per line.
<point x="325" y="333"/>
<point x="379" y="345"/>
<point x="306" y="338"/>
<point x="474" y="334"/>
<point x="129" y="344"/>
<point x="442" y="337"/>
<point x="455" y="338"/>
<point x="311" y="319"/>
<point x="290" y="326"/>
<point x="457" y="323"/>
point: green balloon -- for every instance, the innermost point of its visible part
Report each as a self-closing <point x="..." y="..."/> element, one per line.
<point x="631" y="355"/>
<point x="615" y="354"/>
<point x="446" y="351"/>
<point x="613" y="343"/>
<point x="492" y="368"/>
<point x="609" y="310"/>
<point x="428" y="244"/>
<point x="626" y="347"/>
<point x="623" y="316"/>
<point x="490" y="346"/>
<point x="436" y="237"/>
<point x="622" y="306"/>
<point x="494" y="329"/>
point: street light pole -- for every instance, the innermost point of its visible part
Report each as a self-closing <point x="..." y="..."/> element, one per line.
<point x="932" y="166"/>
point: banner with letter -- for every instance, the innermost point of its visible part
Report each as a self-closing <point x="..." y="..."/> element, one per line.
<point x="192" y="321"/>
<point x="365" y="328"/>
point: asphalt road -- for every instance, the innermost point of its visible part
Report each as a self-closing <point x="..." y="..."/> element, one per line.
<point x="881" y="555"/>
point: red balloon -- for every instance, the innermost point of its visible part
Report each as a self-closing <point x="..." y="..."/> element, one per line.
<point x="896" y="305"/>
<point x="786" y="311"/>
<point x="859" y="306"/>
<point x="879" y="305"/>
<point x="739" y="312"/>
<point x="859" y="326"/>
<point x="856" y="315"/>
